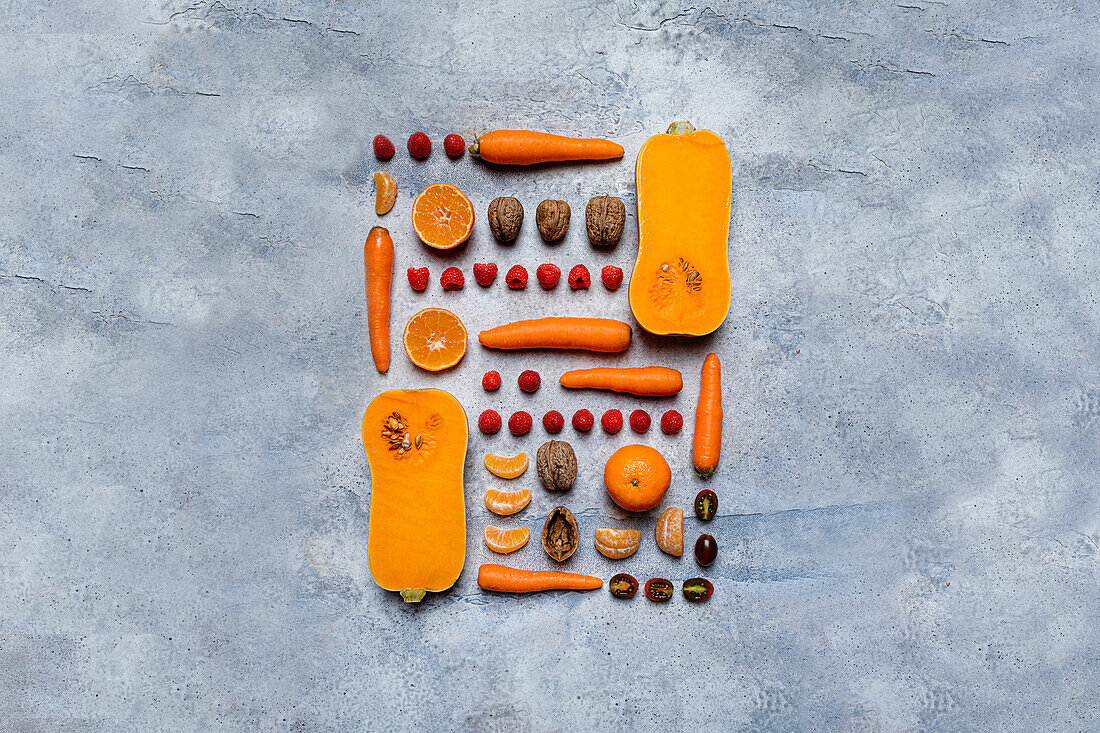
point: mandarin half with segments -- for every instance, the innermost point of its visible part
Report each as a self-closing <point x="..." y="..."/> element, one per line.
<point x="435" y="339"/>
<point x="442" y="216"/>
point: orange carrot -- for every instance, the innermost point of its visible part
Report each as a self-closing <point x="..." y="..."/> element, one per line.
<point x="708" y="419"/>
<point x="654" y="381"/>
<point x="378" y="266"/>
<point x="523" y="147"/>
<point x="589" y="334"/>
<point x="512" y="580"/>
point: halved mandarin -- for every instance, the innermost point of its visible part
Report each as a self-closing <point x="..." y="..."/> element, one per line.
<point x="616" y="544"/>
<point x="506" y="540"/>
<point x="435" y="339"/>
<point x="504" y="503"/>
<point x="506" y="467"/>
<point x="442" y="216"/>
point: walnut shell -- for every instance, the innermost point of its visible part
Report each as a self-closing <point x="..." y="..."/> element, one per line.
<point x="556" y="465"/>
<point x="552" y="218"/>
<point x="560" y="536"/>
<point x="604" y="218"/>
<point x="505" y="218"/>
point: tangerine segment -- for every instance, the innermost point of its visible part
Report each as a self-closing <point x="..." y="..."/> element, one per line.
<point x="616" y="544"/>
<point x="442" y="216"/>
<point x="506" y="502"/>
<point x="435" y="339"/>
<point x="385" y="192"/>
<point x="670" y="531"/>
<point x="506" y="540"/>
<point x="506" y="467"/>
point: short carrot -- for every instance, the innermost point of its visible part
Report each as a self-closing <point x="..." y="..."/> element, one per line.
<point x="512" y="580"/>
<point x="524" y="147"/>
<point x="652" y="381"/>
<point x="378" y="267"/>
<point x="707" y="444"/>
<point x="589" y="334"/>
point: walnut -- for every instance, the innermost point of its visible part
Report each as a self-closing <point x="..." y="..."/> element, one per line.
<point x="552" y="218"/>
<point x="505" y="218"/>
<point x="604" y="217"/>
<point x="556" y="465"/>
<point x="560" y="536"/>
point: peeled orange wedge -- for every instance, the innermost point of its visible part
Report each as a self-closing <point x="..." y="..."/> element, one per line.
<point x="506" y="502"/>
<point x="670" y="531"/>
<point x="506" y="540"/>
<point x="435" y="339"/>
<point x="442" y="216"/>
<point x="616" y="544"/>
<point x="506" y="467"/>
<point x="385" y="192"/>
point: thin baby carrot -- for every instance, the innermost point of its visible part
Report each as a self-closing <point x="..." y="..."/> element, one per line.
<point x="504" y="579"/>
<point x="378" y="267"/>
<point x="524" y="147"/>
<point x="652" y="381"/>
<point x="707" y="444"/>
<point x="589" y="334"/>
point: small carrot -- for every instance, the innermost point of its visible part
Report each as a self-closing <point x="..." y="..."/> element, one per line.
<point x="707" y="444"/>
<point x="512" y="580"/>
<point x="589" y="334"/>
<point x="653" y="381"/>
<point x="378" y="267"/>
<point x="524" y="147"/>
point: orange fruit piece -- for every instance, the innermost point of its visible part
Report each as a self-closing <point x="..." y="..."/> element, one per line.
<point x="615" y="544"/>
<point x="442" y="216"/>
<point x="385" y="192"/>
<point x="506" y="467"/>
<point x="637" y="477"/>
<point x="506" y="502"/>
<point x="670" y="531"/>
<point x="435" y="339"/>
<point x="506" y="540"/>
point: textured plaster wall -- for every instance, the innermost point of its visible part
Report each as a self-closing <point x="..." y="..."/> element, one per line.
<point x="909" y="531"/>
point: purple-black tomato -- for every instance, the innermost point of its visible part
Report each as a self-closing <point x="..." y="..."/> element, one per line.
<point x="623" y="586"/>
<point x="706" y="505"/>
<point x="698" y="590"/>
<point x="706" y="550"/>
<point x="659" y="589"/>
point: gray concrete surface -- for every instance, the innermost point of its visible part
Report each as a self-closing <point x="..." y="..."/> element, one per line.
<point x="910" y="529"/>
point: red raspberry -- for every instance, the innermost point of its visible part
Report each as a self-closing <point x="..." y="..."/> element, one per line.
<point x="583" y="420"/>
<point x="453" y="145"/>
<point x="420" y="145"/>
<point x="491" y="381"/>
<point x="418" y="278"/>
<point x="516" y="278"/>
<point x="671" y="422"/>
<point x="519" y="423"/>
<point x="639" y="421"/>
<point x="548" y="276"/>
<point x="485" y="273"/>
<point x="383" y="148"/>
<point x="452" y="279"/>
<point x="553" y="421"/>
<point x="579" y="279"/>
<point x="489" y="422"/>
<point x="612" y="421"/>
<point x="529" y="381"/>
<point x="612" y="277"/>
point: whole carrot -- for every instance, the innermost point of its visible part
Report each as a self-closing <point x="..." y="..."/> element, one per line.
<point x="707" y="444"/>
<point x="589" y="334"/>
<point x="504" y="579"/>
<point x="378" y="266"/>
<point x="653" y="381"/>
<point x="524" y="147"/>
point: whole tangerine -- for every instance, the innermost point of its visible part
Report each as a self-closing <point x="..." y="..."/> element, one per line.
<point x="637" y="477"/>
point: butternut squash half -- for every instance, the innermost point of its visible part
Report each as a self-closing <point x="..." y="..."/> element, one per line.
<point x="416" y="447"/>
<point x="681" y="279"/>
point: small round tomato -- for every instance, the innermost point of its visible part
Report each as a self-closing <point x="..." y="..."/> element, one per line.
<point x="698" y="590"/>
<point x="706" y="505"/>
<point x="623" y="586"/>
<point x="659" y="589"/>
<point x="706" y="550"/>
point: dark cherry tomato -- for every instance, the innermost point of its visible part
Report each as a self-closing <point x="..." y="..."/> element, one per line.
<point x="706" y="550"/>
<point x="659" y="589"/>
<point x="698" y="590"/>
<point x="706" y="505"/>
<point x="623" y="586"/>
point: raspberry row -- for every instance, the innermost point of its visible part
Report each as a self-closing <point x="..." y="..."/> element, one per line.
<point x="520" y="422"/>
<point x="485" y="273"/>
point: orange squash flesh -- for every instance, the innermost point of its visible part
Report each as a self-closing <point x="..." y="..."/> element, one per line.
<point x="415" y="442"/>
<point x="681" y="279"/>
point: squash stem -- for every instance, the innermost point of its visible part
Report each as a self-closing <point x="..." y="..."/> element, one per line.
<point x="413" y="595"/>
<point x="683" y="127"/>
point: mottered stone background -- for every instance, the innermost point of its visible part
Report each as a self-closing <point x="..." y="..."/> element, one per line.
<point x="909" y="517"/>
